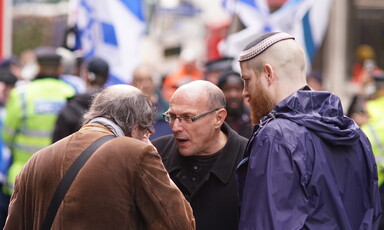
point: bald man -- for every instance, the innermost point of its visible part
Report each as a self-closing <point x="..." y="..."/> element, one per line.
<point x="307" y="166"/>
<point x="202" y="153"/>
<point x="123" y="185"/>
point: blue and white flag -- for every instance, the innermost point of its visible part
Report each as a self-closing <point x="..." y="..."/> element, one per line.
<point x="306" y="20"/>
<point x="111" y="29"/>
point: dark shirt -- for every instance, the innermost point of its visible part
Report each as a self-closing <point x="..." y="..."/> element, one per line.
<point x="214" y="196"/>
<point x="196" y="169"/>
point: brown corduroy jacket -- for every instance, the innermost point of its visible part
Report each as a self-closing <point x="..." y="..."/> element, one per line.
<point x="122" y="186"/>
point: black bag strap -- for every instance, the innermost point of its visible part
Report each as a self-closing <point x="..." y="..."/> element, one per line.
<point x="68" y="178"/>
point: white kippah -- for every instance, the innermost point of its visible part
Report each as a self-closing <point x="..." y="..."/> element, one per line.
<point x="259" y="47"/>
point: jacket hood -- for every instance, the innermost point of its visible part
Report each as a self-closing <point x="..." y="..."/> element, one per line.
<point x="321" y="112"/>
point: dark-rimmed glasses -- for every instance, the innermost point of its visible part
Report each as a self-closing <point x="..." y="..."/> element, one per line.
<point x="170" y="118"/>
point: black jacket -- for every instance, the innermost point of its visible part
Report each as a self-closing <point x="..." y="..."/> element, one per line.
<point x="215" y="203"/>
<point x="70" y="118"/>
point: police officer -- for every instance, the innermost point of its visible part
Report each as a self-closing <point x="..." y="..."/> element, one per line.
<point x="32" y="110"/>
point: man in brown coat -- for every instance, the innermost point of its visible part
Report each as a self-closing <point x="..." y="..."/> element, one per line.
<point x="122" y="186"/>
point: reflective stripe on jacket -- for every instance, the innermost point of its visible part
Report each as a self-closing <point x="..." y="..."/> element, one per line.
<point x="30" y="118"/>
<point x="374" y="130"/>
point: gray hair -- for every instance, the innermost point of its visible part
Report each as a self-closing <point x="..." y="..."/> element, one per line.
<point x="217" y="98"/>
<point x="125" y="105"/>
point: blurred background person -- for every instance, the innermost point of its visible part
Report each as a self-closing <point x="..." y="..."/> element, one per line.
<point x="214" y="68"/>
<point x="29" y="66"/>
<point x="374" y="129"/>
<point x="187" y="71"/>
<point x="363" y="69"/>
<point x="13" y="65"/>
<point x="7" y="82"/>
<point x="144" y="80"/>
<point x="70" y="119"/>
<point x="238" y="115"/>
<point x="365" y="62"/>
<point x="32" y="110"/>
<point x="70" y="73"/>
<point x="357" y="110"/>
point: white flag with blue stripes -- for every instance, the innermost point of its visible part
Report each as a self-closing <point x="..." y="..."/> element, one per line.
<point x="306" y="20"/>
<point x="111" y="29"/>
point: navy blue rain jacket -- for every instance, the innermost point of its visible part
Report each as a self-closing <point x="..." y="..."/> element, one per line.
<point x="307" y="166"/>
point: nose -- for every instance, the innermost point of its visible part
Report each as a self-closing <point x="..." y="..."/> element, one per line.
<point x="176" y="126"/>
<point x="245" y="93"/>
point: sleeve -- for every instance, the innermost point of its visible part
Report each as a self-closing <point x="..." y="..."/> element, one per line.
<point x="273" y="196"/>
<point x="160" y="202"/>
<point x="15" y="219"/>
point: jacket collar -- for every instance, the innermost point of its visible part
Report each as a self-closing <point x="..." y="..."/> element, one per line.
<point x="226" y="162"/>
<point x="109" y="124"/>
<point x="43" y="76"/>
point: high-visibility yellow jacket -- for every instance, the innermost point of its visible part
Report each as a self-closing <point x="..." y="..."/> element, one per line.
<point x="31" y="114"/>
<point x="374" y="129"/>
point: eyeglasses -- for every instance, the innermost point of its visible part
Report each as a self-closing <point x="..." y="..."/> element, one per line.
<point x="170" y="118"/>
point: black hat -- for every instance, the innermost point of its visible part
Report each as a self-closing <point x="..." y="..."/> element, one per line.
<point x="7" y="77"/>
<point x="98" y="66"/>
<point x="47" y="54"/>
<point x="229" y="77"/>
<point x="6" y="63"/>
<point x="221" y="64"/>
<point x="378" y="77"/>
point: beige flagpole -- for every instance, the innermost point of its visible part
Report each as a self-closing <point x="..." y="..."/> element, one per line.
<point x="5" y="28"/>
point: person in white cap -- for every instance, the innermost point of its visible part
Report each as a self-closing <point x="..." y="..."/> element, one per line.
<point x="306" y="166"/>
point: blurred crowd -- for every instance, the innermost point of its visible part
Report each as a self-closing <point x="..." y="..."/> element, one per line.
<point x="61" y="85"/>
<point x="45" y="92"/>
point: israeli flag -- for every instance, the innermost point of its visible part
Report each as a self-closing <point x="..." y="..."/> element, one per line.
<point x="306" y="20"/>
<point x="112" y="30"/>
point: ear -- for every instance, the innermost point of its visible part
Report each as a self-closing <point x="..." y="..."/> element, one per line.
<point x="269" y="73"/>
<point x="220" y="117"/>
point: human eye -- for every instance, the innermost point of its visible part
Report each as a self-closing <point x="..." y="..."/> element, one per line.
<point x="169" y="117"/>
<point x="172" y="116"/>
<point x="187" y="119"/>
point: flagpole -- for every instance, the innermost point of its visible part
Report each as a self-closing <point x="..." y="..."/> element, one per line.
<point x="2" y="13"/>
<point x="335" y="48"/>
<point x="5" y="28"/>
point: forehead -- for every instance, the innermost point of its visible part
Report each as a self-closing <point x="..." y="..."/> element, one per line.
<point x="246" y="69"/>
<point x="188" y="101"/>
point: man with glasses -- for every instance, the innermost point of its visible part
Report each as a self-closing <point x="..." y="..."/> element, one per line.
<point x="202" y="154"/>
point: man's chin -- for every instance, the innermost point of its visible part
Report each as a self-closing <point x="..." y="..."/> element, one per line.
<point x="184" y="152"/>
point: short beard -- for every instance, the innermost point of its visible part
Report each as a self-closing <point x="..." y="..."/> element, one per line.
<point x="260" y="104"/>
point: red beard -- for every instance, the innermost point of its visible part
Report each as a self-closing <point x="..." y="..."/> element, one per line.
<point x="260" y="104"/>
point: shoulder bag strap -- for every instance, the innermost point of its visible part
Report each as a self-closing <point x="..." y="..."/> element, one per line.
<point x="68" y="178"/>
